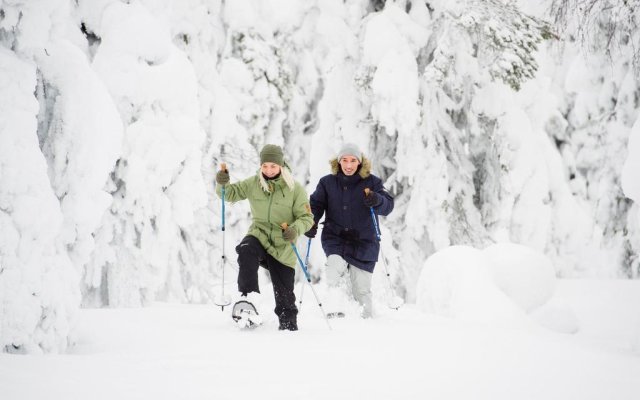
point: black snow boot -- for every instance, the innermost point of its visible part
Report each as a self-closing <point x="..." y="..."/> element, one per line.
<point x="288" y="326"/>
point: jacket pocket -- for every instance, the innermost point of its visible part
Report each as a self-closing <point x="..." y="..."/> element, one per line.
<point x="367" y="250"/>
<point x="281" y="211"/>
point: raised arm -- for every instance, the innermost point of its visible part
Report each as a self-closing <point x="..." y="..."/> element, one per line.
<point x="232" y="191"/>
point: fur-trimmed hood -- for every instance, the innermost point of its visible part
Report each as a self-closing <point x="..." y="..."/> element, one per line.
<point x="365" y="168"/>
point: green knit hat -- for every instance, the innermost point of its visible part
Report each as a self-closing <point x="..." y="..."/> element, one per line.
<point x="272" y="153"/>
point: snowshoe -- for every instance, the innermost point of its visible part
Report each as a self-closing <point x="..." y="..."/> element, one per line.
<point x="246" y="315"/>
<point x="336" y="314"/>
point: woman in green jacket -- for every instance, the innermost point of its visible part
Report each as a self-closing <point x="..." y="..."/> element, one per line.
<point x="275" y="198"/>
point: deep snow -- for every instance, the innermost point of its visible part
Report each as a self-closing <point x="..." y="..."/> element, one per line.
<point x="171" y="351"/>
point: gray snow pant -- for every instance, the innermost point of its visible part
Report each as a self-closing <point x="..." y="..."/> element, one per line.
<point x="360" y="279"/>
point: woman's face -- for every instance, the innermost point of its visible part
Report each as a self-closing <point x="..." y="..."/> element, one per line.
<point x="270" y="169"/>
<point x="349" y="165"/>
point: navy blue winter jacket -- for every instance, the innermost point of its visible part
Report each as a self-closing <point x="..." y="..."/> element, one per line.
<point x="348" y="229"/>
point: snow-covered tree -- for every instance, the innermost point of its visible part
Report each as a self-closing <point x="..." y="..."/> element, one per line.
<point x="430" y="73"/>
<point x="45" y="217"/>
<point x="116" y="114"/>
<point x="601" y="73"/>
<point x="601" y="26"/>
<point x="143" y="245"/>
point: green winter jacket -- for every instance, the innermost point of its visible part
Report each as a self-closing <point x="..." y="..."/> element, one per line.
<point x="272" y="203"/>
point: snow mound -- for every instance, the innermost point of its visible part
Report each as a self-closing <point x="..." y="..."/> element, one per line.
<point x="523" y="274"/>
<point x="557" y="316"/>
<point x="456" y="282"/>
<point x="505" y="283"/>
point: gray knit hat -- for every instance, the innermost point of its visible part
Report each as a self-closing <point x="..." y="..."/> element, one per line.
<point x="272" y="153"/>
<point x="350" y="149"/>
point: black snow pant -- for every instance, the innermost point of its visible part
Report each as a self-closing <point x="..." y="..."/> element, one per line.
<point x="251" y="254"/>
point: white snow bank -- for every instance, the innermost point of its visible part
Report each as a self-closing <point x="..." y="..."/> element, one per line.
<point x="169" y="351"/>
<point x="608" y="310"/>
<point x="557" y="315"/>
<point x="455" y="282"/>
<point x="523" y="274"/>
<point x="500" y="284"/>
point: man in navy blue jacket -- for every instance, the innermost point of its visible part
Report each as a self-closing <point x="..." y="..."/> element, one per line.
<point x="349" y="235"/>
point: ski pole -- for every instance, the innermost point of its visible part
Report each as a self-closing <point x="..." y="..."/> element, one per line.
<point x="373" y="216"/>
<point x="306" y="274"/>
<point x="378" y="237"/>
<point x="394" y="301"/>
<point x="223" y="301"/>
<point x="224" y="259"/>
<point x="306" y="262"/>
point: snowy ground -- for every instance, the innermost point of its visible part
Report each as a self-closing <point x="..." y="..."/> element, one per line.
<point x="194" y="352"/>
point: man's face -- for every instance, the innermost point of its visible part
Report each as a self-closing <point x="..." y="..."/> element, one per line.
<point x="349" y="165"/>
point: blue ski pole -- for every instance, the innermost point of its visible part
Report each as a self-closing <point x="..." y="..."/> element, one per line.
<point x="384" y="261"/>
<point x="373" y="216"/>
<point x="307" y="276"/>
<point x="223" y="300"/>
<point x="306" y="263"/>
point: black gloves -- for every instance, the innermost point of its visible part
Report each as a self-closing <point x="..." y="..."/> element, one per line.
<point x="311" y="233"/>
<point x="372" y="199"/>
<point x="290" y="234"/>
<point x="222" y="177"/>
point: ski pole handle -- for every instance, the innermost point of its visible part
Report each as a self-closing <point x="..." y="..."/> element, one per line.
<point x="373" y="215"/>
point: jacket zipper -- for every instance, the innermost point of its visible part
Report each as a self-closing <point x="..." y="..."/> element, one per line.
<point x="269" y="217"/>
